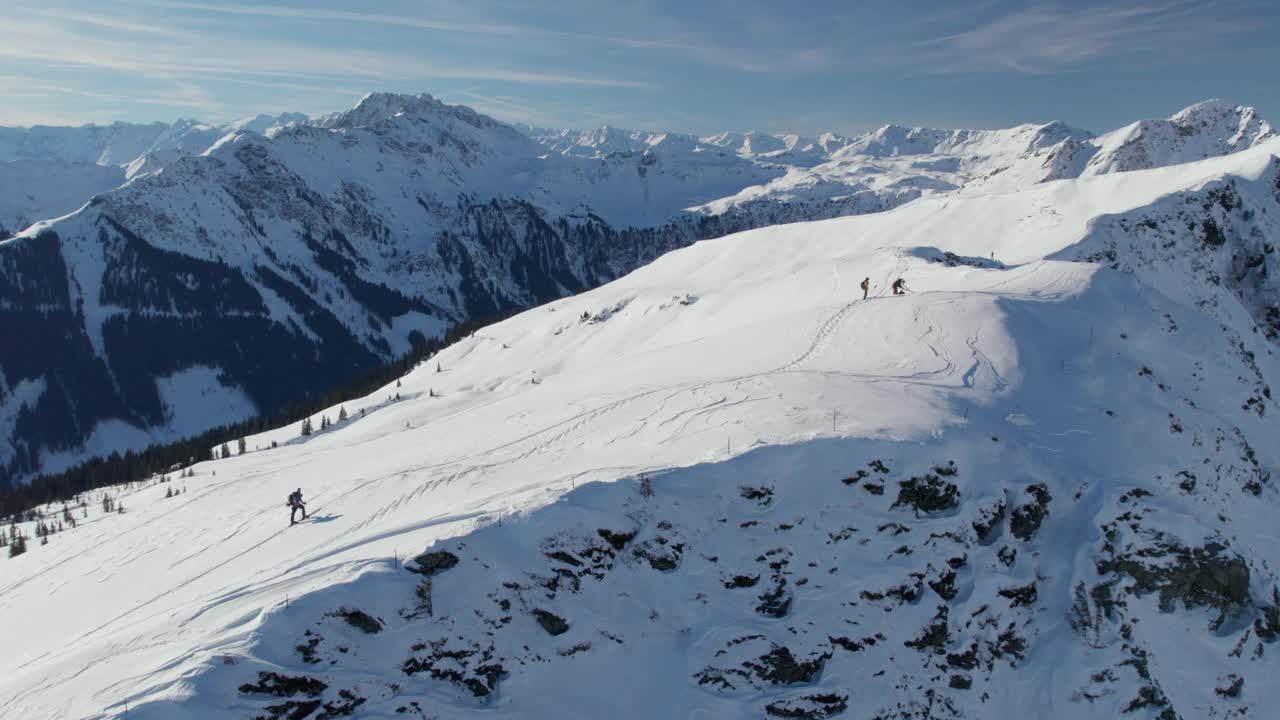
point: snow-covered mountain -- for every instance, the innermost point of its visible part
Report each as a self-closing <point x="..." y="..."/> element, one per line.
<point x="897" y="163"/>
<point x="1040" y="484"/>
<point x="46" y="172"/>
<point x="323" y="247"/>
<point x="779" y="149"/>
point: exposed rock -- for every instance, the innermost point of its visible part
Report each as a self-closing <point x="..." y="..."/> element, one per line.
<point x="810" y="707"/>
<point x="270" y="683"/>
<point x="552" y="623"/>
<point x="1199" y="577"/>
<point x="741" y="581"/>
<point x="433" y="563"/>
<point x="1025" y="521"/>
<point x="927" y="494"/>
<point x="1230" y="686"/>
<point x="361" y="620"/>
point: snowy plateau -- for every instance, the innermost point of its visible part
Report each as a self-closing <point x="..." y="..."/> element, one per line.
<point x="721" y="484"/>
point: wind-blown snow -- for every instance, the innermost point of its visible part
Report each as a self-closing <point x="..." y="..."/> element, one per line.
<point x="1041" y="347"/>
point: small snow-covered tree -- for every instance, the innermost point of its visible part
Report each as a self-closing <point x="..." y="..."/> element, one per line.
<point x="241" y="446"/>
<point x="306" y="427"/>
<point x="226" y="451"/>
<point x="342" y="413"/>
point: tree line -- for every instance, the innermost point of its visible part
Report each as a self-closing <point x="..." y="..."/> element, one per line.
<point x="134" y="466"/>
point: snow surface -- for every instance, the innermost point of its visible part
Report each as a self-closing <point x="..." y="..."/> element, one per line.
<point x="724" y="370"/>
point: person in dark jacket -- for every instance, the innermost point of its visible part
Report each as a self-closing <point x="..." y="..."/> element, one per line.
<point x="899" y="287"/>
<point x="296" y="504"/>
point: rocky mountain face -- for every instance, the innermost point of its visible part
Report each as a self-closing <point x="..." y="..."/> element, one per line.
<point x="266" y="268"/>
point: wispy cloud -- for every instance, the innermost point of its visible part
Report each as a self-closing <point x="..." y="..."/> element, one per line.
<point x="693" y="47"/>
<point x="58" y="43"/>
<point x="343" y="16"/>
<point x="1044" y="38"/>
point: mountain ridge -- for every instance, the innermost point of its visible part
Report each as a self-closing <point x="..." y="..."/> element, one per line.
<point x="403" y="215"/>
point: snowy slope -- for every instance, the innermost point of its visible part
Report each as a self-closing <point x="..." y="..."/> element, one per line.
<point x="1038" y="485"/>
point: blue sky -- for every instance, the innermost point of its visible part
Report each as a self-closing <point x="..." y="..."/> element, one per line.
<point x="694" y="65"/>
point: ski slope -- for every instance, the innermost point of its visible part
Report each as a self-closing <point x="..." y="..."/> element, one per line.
<point x="745" y="362"/>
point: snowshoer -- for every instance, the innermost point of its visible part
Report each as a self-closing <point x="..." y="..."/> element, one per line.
<point x="899" y="287"/>
<point x="295" y="504"/>
<point x="866" y="287"/>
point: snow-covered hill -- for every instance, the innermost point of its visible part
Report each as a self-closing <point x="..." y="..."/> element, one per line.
<point x="325" y="246"/>
<point x="726" y="486"/>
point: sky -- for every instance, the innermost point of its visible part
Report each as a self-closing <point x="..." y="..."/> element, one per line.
<point x="692" y="65"/>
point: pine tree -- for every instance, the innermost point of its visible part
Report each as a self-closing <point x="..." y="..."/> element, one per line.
<point x="106" y="503"/>
<point x="342" y="413"/>
<point x="397" y="382"/>
<point x="168" y="493"/>
<point x="241" y="448"/>
<point x="120" y="507"/>
<point x="226" y="451"/>
<point x="17" y="543"/>
<point x="306" y="427"/>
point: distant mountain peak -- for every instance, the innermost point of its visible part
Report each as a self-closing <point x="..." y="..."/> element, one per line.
<point x="379" y="107"/>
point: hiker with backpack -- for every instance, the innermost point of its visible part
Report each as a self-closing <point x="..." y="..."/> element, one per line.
<point x="866" y="287"/>
<point x="899" y="287"/>
<point x="295" y="504"/>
